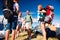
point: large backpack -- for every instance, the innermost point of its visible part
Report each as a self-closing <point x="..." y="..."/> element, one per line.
<point x="8" y="13"/>
<point x="50" y="11"/>
<point x="7" y="8"/>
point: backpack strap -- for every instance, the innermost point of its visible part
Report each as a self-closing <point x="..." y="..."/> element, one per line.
<point x="8" y="10"/>
<point x="30" y="18"/>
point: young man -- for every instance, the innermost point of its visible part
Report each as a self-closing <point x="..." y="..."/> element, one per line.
<point x="12" y="24"/>
<point x="41" y="17"/>
<point x="19" y="23"/>
<point x="28" y="20"/>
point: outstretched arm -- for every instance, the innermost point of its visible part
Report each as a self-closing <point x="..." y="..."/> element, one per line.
<point x="43" y="11"/>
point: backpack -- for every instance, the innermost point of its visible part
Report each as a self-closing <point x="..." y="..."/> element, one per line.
<point x="7" y="8"/>
<point x="50" y="11"/>
<point x="7" y="13"/>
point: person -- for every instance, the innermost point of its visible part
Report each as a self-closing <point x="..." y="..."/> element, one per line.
<point x="23" y="25"/>
<point x="41" y="17"/>
<point x="28" y="23"/>
<point x="19" y="24"/>
<point x="49" y="17"/>
<point x="12" y="24"/>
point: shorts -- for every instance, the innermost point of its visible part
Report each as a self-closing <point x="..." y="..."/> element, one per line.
<point x="47" y="19"/>
<point x="12" y="25"/>
<point x="28" y="25"/>
<point x="41" y="20"/>
<point x="19" y="23"/>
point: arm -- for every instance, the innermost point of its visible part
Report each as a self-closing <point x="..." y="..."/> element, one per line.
<point x="17" y="8"/>
<point x="43" y="11"/>
<point x="24" y="19"/>
<point x="31" y="20"/>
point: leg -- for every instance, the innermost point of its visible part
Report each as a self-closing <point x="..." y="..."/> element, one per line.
<point x="7" y="31"/>
<point x="23" y="28"/>
<point x="7" y="35"/>
<point x="29" y="32"/>
<point x="43" y="31"/>
<point x="17" y="30"/>
<point x="13" y="30"/>
<point x="19" y="24"/>
<point x="28" y="29"/>
<point x="13" y="34"/>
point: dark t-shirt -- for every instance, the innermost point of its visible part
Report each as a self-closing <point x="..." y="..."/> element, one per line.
<point x="41" y="16"/>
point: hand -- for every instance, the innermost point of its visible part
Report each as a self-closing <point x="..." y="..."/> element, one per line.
<point x="39" y="11"/>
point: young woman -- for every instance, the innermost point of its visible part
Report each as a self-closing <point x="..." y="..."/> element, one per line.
<point x="41" y="17"/>
<point x="19" y="24"/>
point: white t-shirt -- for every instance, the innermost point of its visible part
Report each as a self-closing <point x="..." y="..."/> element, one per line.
<point x="15" y="5"/>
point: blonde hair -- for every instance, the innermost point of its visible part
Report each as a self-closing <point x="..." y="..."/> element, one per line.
<point x="39" y="7"/>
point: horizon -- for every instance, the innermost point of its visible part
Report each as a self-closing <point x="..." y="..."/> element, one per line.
<point x="32" y="6"/>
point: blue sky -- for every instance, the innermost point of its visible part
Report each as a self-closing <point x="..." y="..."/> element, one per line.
<point x="32" y="6"/>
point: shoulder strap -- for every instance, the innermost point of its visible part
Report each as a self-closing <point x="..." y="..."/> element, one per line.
<point x="30" y="16"/>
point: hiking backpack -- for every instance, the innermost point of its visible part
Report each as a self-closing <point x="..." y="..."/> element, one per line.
<point x="7" y="8"/>
<point x="50" y="11"/>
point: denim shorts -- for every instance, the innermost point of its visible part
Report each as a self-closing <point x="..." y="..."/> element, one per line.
<point x="19" y="23"/>
<point x="12" y="25"/>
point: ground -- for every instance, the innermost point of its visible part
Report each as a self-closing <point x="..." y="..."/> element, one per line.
<point x="23" y="36"/>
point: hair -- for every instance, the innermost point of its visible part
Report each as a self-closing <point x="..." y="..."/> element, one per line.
<point x="39" y="6"/>
<point x="28" y="11"/>
<point x="16" y="0"/>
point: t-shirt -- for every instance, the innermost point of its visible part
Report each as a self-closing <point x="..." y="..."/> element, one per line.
<point x="28" y="18"/>
<point x="41" y="15"/>
<point x="14" y="9"/>
<point x="14" y="6"/>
